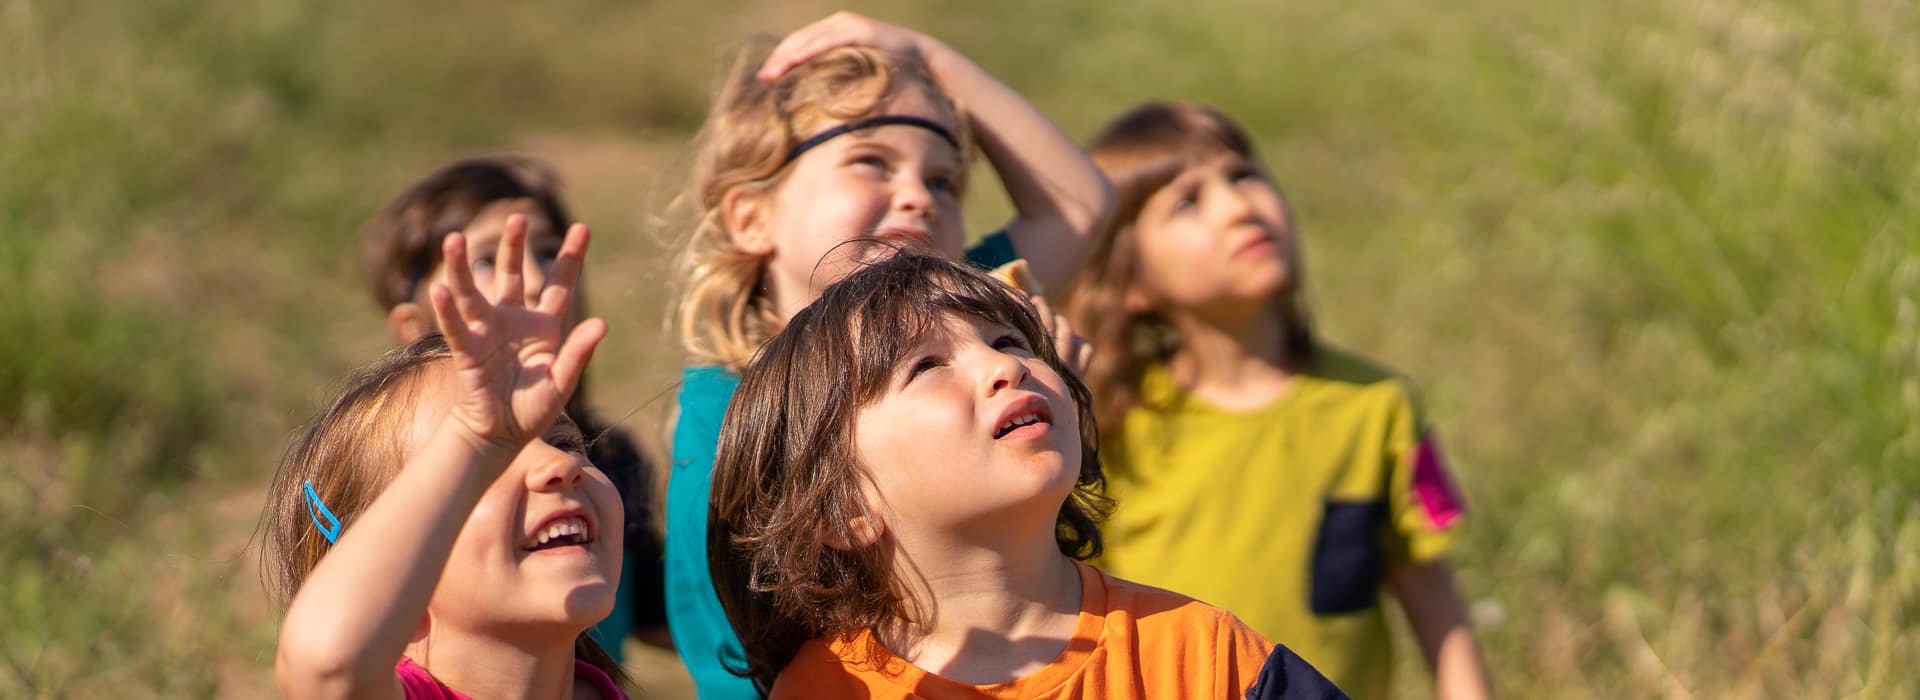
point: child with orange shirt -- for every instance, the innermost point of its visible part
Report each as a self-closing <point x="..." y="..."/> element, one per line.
<point x="904" y="490"/>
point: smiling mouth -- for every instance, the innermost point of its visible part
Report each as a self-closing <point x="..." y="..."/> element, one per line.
<point x="1022" y="420"/>
<point x="569" y="531"/>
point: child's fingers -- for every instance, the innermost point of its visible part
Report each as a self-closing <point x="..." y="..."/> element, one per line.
<point x="565" y="274"/>
<point x="1072" y="349"/>
<point x="794" y="50"/>
<point x="839" y="29"/>
<point x="466" y="296"/>
<point x="1083" y="359"/>
<point x="451" y="326"/>
<point x="510" y="286"/>
<point x="1043" y="310"/>
<point x="571" y="360"/>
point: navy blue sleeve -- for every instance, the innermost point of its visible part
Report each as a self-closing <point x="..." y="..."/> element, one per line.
<point x="993" y="251"/>
<point x="1289" y="677"/>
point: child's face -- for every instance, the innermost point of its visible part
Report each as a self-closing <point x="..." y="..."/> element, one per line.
<point x="973" y="431"/>
<point x="893" y="182"/>
<point x="1218" y="235"/>
<point x="507" y="566"/>
<point x="483" y="242"/>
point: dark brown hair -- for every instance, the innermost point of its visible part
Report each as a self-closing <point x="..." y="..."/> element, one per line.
<point x="1141" y="152"/>
<point x="401" y="246"/>
<point x="787" y="476"/>
<point x="723" y="313"/>
<point x="349" y="455"/>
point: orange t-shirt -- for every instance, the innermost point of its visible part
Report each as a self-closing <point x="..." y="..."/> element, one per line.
<point x="1131" y="641"/>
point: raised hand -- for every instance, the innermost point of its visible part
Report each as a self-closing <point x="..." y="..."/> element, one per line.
<point x="515" y="360"/>
<point x="1074" y="351"/>
<point x="837" y="30"/>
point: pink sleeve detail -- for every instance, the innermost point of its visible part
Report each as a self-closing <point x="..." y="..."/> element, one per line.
<point x="1430" y="484"/>
<point x="418" y="684"/>
<point x="598" y="679"/>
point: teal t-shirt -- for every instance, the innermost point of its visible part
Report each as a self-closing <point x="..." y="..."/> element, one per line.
<point x="701" y="633"/>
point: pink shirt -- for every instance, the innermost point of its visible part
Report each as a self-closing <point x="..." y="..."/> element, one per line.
<point x="420" y="685"/>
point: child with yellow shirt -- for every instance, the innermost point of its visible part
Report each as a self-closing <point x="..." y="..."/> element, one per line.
<point x="1254" y="467"/>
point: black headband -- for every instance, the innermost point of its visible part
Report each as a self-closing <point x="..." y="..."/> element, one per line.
<point x="868" y="123"/>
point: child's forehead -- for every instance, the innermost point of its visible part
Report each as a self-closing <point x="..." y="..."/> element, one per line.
<point x="904" y="99"/>
<point x="490" y="223"/>
<point x="433" y="388"/>
<point x="1204" y="164"/>
<point x="950" y="325"/>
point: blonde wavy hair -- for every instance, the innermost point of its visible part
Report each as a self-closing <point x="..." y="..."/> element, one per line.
<point x="723" y="312"/>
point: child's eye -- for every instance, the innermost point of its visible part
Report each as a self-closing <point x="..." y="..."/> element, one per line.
<point x="483" y="264"/>
<point x="1011" y="341"/>
<point x="921" y="366"/>
<point x="940" y="183"/>
<point x="568" y="442"/>
<point x="871" y="161"/>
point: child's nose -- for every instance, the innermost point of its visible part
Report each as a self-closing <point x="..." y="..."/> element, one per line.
<point x="555" y="469"/>
<point x="1004" y="372"/>
<point x="910" y="194"/>
<point x="1231" y="205"/>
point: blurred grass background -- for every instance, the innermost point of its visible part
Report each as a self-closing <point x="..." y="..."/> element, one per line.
<point x="1654" y="263"/>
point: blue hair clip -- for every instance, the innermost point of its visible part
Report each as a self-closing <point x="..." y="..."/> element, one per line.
<point x="318" y="510"/>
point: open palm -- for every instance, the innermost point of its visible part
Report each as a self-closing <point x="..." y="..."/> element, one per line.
<point x="515" y="361"/>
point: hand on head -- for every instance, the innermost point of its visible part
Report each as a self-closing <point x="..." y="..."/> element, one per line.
<point x="841" y="29"/>
<point x="515" y="361"/>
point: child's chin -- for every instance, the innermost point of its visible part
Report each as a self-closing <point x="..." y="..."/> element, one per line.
<point x="591" y="603"/>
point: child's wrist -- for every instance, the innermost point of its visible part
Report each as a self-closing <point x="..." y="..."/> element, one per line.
<point x="489" y="448"/>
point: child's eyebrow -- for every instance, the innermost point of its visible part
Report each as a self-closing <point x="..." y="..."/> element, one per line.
<point x="869" y="139"/>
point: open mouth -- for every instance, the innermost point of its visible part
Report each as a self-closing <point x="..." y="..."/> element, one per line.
<point x="565" y="531"/>
<point x="1264" y="243"/>
<point x="1028" y="416"/>
<point x="905" y="234"/>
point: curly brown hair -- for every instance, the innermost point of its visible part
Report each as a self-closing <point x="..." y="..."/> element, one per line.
<point x="787" y="477"/>
<point x="1143" y="151"/>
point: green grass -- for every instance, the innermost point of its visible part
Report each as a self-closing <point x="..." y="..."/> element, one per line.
<point x="1654" y="265"/>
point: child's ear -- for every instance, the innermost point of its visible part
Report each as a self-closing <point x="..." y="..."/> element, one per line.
<point x="743" y="210"/>
<point x="865" y="531"/>
<point x="408" y="321"/>
<point x="1135" y="300"/>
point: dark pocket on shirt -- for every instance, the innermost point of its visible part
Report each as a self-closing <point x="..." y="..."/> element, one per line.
<point x="1347" y="561"/>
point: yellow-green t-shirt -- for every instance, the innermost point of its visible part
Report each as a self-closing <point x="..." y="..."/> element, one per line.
<point x="1286" y="515"/>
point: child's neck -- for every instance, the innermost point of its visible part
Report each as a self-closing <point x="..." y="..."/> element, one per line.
<point x="985" y="614"/>
<point x="485" y="667"/>
<point x="1234" y="361"/>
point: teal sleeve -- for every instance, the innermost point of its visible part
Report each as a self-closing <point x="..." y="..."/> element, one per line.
<point x="701" y="633"/>
<point x="993" y="251"/>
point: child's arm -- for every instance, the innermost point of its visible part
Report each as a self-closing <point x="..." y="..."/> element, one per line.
<point x="1434" y="608"/>
<point x="367" y="599"/>
<point x="1061" y="198"/>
